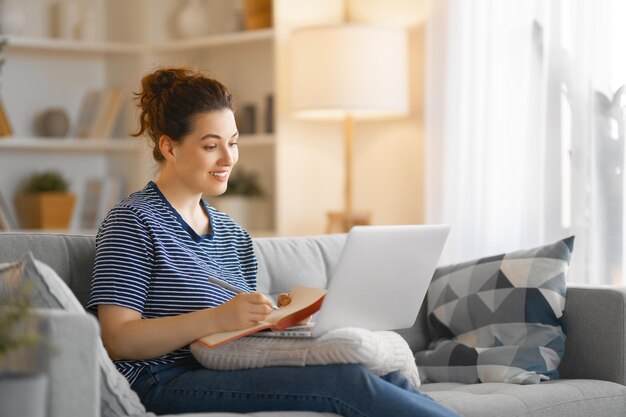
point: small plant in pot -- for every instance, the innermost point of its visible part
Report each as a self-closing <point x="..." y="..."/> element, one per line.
<point x="23" y="388"/>
<point x="243" y="191"/>
<point x="245" y="184"/>
<point x="45" y="203"/>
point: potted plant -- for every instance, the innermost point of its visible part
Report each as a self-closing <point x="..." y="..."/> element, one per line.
<point x="240" y="196"/>
<point x="23" y="388"/>
<point x="45" y="203"/>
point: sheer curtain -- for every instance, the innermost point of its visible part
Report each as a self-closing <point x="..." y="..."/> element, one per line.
<point x="484" y="137"/>
<point x="525" y="128"/>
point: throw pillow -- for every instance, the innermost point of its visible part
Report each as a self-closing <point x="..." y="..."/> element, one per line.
<point x="50" y="291"/>
<point x="498" y="319"/>
<point x="381" y="352"/>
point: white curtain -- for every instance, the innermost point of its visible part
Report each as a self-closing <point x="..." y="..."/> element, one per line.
<point x="484" y="167"/>
<point x="521" y="95"/>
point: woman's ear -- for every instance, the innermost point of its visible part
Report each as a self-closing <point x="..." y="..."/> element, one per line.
<point x="166" y="146"/>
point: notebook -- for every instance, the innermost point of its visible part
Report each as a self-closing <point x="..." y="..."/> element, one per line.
<point x="379" y="282"/>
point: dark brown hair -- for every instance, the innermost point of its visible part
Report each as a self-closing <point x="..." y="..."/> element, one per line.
<point x="169" y="100"/>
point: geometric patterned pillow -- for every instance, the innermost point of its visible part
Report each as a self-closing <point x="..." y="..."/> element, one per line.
<point x="498" y="319"/>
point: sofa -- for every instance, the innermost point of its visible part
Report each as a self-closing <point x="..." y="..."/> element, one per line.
<point x="592" y="372"/>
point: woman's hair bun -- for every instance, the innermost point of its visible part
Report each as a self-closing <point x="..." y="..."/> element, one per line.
<point x="162" y="79"/>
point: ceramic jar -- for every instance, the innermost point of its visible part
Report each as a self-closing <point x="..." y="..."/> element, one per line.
<point x="192" y="19"/>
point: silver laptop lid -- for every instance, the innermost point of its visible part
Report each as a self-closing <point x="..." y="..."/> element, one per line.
<point x="381" y="278"/>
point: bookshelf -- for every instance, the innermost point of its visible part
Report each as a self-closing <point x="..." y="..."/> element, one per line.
<point x="24" y="43"/>
<point x="43" y="72"/>
<point x="70" y="144"/>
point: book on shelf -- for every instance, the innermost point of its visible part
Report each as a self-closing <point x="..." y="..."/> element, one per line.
<point x="108" y="112"/>
<point x="5" y="125"/>
<point x="99" y="197"/>
<point x="305" y="302"/>
<point x="6" y="220"/>
<point x="99" y="113"/>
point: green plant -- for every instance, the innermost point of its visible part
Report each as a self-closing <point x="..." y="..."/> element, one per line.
<point x="244" y="183"/>
<point x="46" y="182"/>
<point x="18" y="330"/>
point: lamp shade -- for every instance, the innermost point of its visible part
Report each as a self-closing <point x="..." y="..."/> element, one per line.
<point x="349" y="70"/>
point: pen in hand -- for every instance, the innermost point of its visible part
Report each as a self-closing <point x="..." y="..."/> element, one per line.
<point x="229" y="287"/>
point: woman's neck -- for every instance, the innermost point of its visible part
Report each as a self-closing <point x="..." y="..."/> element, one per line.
<point x="184" y="200"/>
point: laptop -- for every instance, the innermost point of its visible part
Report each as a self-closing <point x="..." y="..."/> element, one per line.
<point x="379" y="282"/>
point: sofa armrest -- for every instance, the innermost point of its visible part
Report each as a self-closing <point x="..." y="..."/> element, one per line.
<point x="71" y="365"/>
<point x="595" y="325"/>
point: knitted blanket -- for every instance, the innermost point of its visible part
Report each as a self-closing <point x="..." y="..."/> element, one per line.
<point x="379" y="351"/>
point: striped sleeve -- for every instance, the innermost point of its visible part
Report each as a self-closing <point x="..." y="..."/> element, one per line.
<point x="124" y="261"/>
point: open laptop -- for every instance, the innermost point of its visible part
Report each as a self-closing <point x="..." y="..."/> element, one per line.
<point x="380" y="280"/>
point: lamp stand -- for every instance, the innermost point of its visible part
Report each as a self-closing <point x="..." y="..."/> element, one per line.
<point x="342" y="221"/>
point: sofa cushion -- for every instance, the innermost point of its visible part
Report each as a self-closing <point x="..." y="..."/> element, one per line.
<point x="316" y="257"/>
<point x="498" y="319"/>
<point x="381" y="352"/>
<point x="570" y="397"/>
<point x="49" y="291"/>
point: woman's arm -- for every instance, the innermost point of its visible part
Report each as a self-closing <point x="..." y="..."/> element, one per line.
<point x="127" y="336"/>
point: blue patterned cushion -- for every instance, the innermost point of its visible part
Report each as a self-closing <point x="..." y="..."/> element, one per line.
<point x="498" y="319"/>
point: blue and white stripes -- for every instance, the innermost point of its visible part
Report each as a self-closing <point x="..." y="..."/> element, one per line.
<point x="150" y="260"/>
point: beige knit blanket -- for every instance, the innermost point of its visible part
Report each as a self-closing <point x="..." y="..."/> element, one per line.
<point x="379" y="351"/>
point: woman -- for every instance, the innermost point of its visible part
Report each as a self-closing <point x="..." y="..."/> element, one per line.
<point x="154" y="251"/>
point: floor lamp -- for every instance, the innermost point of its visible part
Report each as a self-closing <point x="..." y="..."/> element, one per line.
<point x="349" y="72"/>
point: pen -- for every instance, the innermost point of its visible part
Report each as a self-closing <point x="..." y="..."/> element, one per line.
<point x="229" y="287"/>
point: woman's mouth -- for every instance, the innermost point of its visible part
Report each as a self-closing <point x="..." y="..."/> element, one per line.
<point x="220" y="176"/>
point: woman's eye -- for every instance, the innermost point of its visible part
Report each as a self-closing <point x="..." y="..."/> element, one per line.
<point x="210" y="147"/>
<point x="233" y="144"/>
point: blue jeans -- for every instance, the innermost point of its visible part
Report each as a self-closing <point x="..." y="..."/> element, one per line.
<point x="348" y="390"/>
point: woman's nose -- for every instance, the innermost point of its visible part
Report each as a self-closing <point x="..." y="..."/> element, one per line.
<point x="226" y="157"/>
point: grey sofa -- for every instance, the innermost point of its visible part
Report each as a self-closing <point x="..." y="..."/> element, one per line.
<point x="593" y="371"/>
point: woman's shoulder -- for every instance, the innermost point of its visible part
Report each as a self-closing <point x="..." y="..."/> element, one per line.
<point x="139" y="205"/>
<point x="224" y="222"/>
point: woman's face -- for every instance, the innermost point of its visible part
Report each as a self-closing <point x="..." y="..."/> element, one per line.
<point x="206" y="156"/>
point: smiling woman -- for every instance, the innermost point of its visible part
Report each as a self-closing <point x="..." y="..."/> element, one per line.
<point x="154" y="252"/>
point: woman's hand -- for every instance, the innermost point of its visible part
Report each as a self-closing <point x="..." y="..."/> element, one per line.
<point x="127" y="336"/>
<point x="243" y="310"/>
<point x="284" y="299"/>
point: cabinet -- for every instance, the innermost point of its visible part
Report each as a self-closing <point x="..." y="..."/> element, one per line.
<point x="132" y="38"/>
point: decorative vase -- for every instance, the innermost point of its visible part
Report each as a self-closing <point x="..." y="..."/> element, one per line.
<point x="23" y="395"/>
<point x="66" y="19"/>
<point x="12" y="17"/>
<point x="53" y="122"/>
<point x="191" y="20"/>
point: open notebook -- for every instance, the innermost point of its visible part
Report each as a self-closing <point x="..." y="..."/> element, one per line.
<point x="304" y="302"/>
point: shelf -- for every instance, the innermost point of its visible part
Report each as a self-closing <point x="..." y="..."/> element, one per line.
<point x="23" y="43"/>
<point x="18" y="43"/>
<point x="214" y="40"/>
<point x="112" y="145"/>
<point x="70" y="144"/>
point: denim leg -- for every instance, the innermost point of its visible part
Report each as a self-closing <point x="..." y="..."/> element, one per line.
<point x="348" y="390"/>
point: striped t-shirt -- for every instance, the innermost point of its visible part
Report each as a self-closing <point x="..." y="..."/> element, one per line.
<point x="150" y="260"/>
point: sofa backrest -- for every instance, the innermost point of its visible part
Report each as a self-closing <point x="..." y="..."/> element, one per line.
<point x="283" y="262"/>
<point x="71" y="256"/>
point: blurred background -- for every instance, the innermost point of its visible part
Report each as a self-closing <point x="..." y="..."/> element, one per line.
<point x="503" y="118"/>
